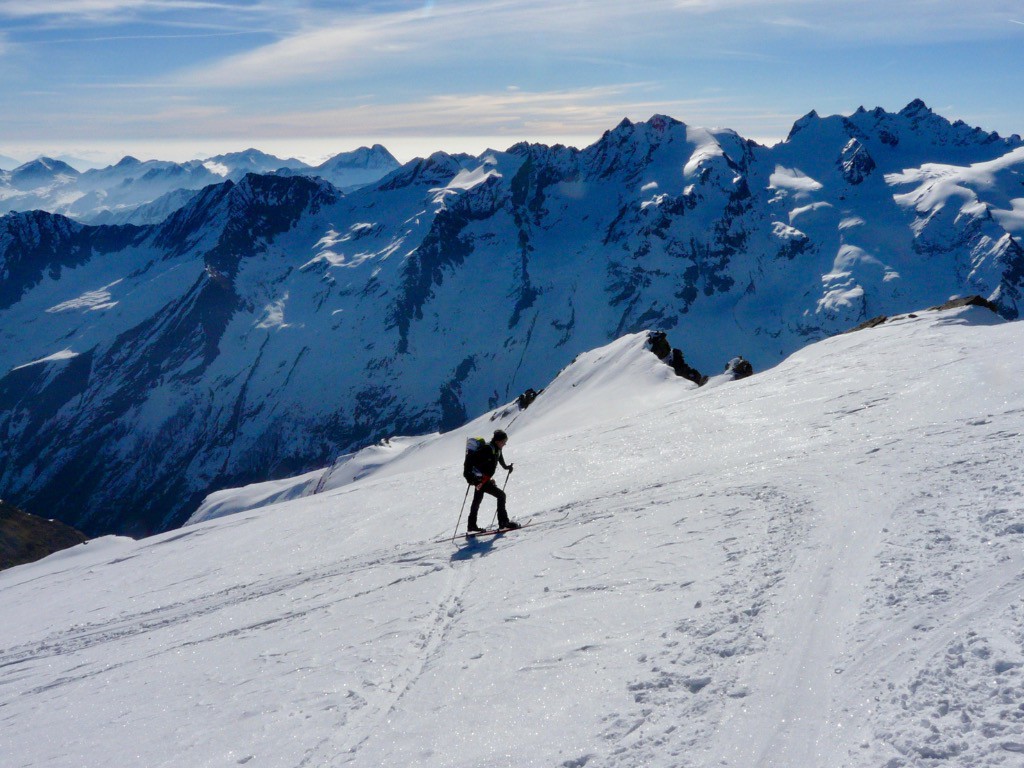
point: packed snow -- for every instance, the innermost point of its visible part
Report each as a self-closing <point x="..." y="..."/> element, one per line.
<point x="793" y="180"/>
<point x="56" y="357"/>
<point x="820" y="565"/>
<point x="935" y="186"/>
<point x="97" y="300"/>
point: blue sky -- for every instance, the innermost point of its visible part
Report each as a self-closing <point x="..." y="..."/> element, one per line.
<point x="182" y="78"/>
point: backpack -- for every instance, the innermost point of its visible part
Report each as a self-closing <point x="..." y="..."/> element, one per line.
<point x="473" y="444"/>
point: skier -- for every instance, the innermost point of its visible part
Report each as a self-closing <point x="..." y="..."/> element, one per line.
<point x="478" y="470"/>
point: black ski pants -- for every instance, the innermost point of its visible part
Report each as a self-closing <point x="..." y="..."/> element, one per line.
<point x="478" y="494"/>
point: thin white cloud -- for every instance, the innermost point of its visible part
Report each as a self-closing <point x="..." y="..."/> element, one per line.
<point x="153" y="36"/>
<point x="369" y="42"/>
<point x="92" y="9"/>
<point x="497" y="29"/>
<point x="359" y="39"/>
<point x="78" y="16"/>
<point x="510" y="112"/>
<point x="911" y="21"/>
<point x="340" y="44"/>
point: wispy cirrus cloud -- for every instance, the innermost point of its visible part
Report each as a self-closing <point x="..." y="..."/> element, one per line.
<point x="512" y="112"/>
<point x="327" y="45"/>
<point x="363" y="40"/>
<point x="506" y="115"/>
<point x="457" y="122"/>
<point x="32" y="19"/>
<point x="104" y="9"/>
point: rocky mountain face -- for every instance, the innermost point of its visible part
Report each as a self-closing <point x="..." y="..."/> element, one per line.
<point x="137" y="192"/>
<point x="275" y="322"/>
<point x="25" y="538"/>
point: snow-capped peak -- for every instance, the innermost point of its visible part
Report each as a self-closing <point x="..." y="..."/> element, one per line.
<point x="254" y="160"/>
<point x="909" y="136"/>
<point x="41" y="172"/>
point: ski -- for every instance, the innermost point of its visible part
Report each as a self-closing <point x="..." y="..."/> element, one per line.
<point x="488" y="532"/>
<point x="495" y="531"/>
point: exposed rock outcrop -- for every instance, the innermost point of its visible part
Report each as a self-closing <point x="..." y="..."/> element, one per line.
<point x="659" y="345"/>
<point x="25" y="538"/>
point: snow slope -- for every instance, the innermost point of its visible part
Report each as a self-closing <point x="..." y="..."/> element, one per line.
<point x="817" y="566"/>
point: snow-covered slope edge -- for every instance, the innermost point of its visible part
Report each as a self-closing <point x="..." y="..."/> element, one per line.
<point x="817" y="566"/>
<point x="616" y="375"/>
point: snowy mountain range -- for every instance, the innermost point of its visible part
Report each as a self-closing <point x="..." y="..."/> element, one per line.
<point x="136" y="192"/>
<point x="820" y="565"/>
<point x="274" y="323"/>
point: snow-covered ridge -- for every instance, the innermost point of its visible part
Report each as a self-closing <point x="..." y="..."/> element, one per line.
<point x="619" y="376"/>
<point x="816" y="566"/>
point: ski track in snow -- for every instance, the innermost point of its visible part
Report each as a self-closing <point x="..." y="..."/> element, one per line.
<point x="434" y="630"/>
<point x="98" y="639"/>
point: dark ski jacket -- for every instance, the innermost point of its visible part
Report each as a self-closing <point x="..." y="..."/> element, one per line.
<point x="482" y="463"/>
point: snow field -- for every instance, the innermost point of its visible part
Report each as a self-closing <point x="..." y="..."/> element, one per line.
<point x="818" y="566"/>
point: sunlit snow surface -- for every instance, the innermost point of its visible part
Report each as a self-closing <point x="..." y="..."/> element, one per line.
<point x="822" y="565"/>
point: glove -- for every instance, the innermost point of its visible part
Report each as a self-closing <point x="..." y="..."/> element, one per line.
<point x="482" y="483"/>
<point x="511" y="467"/>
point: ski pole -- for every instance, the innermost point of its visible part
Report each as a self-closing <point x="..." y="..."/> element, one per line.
<point x="461" y="510"/>
<point x="495" y="518"/>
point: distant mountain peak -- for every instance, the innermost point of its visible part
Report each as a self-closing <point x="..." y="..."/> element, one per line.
<point x="254" y="210"/>
<point x="255" y="159"/>
<point x="916" y="107"/>
<point x="801" y="123"/>
<point x="251" y="152"/>
<point x="48" y="164"/>
<point x="916" y="127"/>
<point x="376" y="156"/>
<point x="42" y="172"/>
<point x="662" y="122"/>
<point x="436" y="169"/>
<point x="657" y="130"/>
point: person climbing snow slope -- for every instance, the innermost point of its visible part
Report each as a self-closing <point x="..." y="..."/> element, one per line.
<point x="482" y="460"/>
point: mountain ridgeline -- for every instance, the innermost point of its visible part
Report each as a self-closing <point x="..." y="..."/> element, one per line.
<point x="146" y="192"/>
<point x="275" y="321"/>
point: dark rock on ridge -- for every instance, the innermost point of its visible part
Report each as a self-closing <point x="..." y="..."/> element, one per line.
<point x="25" y="538"/>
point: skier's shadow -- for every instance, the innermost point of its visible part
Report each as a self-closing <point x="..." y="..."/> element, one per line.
<point x="475" y="547"/>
